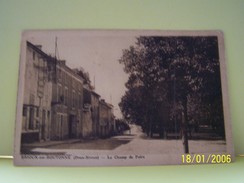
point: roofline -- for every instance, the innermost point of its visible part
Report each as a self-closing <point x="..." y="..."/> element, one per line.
<point x="65" y="67"/>
<point x="95" y="93"/>
<point x="53" y="59"/>
<point x="106" y="104"/>
<point x="70" y="70"/>
<point x="39" y="51"/>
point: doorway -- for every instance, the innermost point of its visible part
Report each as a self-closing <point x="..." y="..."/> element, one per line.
<point x="72" y="126"/>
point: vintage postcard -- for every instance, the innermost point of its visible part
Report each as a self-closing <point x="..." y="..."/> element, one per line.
<point x="122" y="98"/>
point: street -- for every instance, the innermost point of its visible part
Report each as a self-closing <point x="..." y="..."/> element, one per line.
<point x="133" y="141"/>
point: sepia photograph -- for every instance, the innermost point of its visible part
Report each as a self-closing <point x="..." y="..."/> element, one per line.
<point x="122" y="98"/>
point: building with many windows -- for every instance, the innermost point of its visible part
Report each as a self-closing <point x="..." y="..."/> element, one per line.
<point x="36" y="120"/>
<point x="106" y="119"/>
<point x="58" y="102"/>
<point x="67" y="103"/>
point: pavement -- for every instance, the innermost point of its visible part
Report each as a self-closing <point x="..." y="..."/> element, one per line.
<point x="132" y="141"/>
<point x="51" y="143"/>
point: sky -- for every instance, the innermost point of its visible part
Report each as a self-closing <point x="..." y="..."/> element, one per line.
<point x="97" y="52"/>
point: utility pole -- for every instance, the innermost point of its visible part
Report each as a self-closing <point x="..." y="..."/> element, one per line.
<point x="94" y="82"/>
<point x="56" y="47"/>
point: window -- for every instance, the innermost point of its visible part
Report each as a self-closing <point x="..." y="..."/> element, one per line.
<point x="66" y="96"/>
<point x="66" y="78"/>
<point x="59" y="94"/>
<point x="33" y="55"/>
<point x="79" y="100"/>
<point x="59" y="74"/>
<point x="73" y="83"/>
<point x="31" y="119"/>
<point x="24" y="111"/>
<point x="37" y="112"/>
<point x="73" y="98"/>
<point x="32" y="99"/>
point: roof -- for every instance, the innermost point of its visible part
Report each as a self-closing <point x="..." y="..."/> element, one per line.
<point x="61" y="63"/>
<point x="38" y="50"/>
<point x="102" y="101"/>
<point x="94" y="93"/>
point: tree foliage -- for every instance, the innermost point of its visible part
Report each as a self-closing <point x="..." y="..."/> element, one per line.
<point x="168" y="75"/>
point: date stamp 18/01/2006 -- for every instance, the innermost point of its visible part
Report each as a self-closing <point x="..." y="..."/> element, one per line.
<point x="202" y="158"/>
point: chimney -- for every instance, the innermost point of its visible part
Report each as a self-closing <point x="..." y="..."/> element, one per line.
<point x="102" y="100"/>
<point x="62" y="62"/>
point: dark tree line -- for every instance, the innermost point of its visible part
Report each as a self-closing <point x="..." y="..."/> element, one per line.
<point x="173" y="82"/>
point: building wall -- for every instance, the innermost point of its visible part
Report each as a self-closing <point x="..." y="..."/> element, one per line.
<point x="57" y="104"/>
<point x="106" y="123"/>
<point x="95" y="113"/>
<point x="37" y="98"/>
<point x="67" y="103"/>
<point x="90" y="111"/>
<point x="87" y="122"/>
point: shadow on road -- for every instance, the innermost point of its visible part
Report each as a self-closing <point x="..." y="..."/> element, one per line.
<point x="90" y="144"/>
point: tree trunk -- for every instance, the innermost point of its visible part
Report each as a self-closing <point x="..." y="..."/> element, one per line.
<point x="185" y="126"/>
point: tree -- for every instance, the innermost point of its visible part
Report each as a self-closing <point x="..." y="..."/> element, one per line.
<point x="171" y="71"/>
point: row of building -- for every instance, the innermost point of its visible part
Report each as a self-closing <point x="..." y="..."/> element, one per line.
<point x="59" y="102"/>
